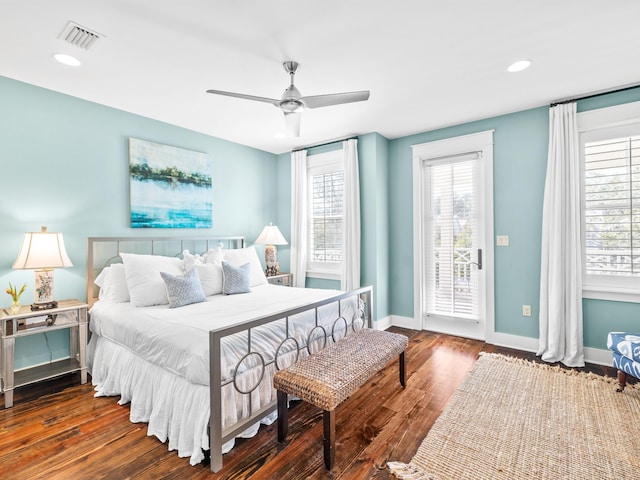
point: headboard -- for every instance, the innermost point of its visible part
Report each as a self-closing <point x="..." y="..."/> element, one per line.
<point x="103" y="251"/>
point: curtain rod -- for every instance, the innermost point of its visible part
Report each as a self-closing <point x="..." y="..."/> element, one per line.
<point x="595" y="94"/>
<point x="331" y="142"/>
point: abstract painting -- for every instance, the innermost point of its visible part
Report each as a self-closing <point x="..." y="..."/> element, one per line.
<point x="170" y="187"/>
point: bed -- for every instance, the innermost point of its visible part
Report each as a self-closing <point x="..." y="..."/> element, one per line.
<point x="200" y="373"/>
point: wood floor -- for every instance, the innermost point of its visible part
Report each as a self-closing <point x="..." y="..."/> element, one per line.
<point x="58" y="430"/>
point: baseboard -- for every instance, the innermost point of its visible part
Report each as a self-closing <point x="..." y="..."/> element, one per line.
<point x="526" y="344"/>
<point x="404" y="322"/>
<point x="591" y="355"/>
<point x="383" y="323"/>
<point x="598" y="356"/>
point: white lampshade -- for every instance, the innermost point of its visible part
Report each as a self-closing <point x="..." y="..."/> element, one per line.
<point x="42" y="250"/>
<point x="271" y="236"/>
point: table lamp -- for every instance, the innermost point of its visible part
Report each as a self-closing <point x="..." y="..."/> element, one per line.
<point x="43" y="251"/>
<point x="271" y="237"/>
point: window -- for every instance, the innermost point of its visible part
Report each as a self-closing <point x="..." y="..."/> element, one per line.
<point x="326" y="201"/>
<point x="610" y="149"/>
<point x="612" y="206"/>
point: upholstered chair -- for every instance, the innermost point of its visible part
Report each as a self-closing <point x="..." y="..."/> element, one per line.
<point x="626" y="355"/>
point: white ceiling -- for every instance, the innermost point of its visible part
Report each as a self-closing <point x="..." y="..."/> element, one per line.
<point x="427" y="63"/>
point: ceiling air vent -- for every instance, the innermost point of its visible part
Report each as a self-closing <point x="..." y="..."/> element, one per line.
<point x="79" y="36"/>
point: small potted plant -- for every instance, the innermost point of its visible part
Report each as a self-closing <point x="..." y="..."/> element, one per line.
<point x="15" y="296"/>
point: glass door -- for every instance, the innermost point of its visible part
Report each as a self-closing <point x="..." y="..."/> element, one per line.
<point x="453" y="229"/>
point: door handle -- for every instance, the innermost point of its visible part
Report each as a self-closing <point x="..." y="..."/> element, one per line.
<point x="479" y="262"/>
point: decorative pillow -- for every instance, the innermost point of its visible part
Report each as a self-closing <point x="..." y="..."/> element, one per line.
<point x="146" y="286"/>
<point x="236" y="279"/>
<point x="240" y="256"/>
<point x="213" y="255"/>
<point x="190" y="260"/>
<point x="113" y="284"/>
<point x="210" y="278"/>
<point x="183" y="289"/>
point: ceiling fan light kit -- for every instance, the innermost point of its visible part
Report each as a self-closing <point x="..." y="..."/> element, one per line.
<point x="293" y="103"/>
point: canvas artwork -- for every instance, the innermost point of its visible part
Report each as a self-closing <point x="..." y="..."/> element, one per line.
<point x="170" y="187"/>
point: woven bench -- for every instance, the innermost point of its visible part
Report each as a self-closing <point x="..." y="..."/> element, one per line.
<point x="328" y="377"/>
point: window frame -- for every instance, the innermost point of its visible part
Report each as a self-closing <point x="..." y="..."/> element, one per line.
<point x="322" y="163"/>
<point x="593" y="125"/>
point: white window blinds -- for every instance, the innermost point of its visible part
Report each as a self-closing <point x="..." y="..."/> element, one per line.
<point x="327" y="194"/>
<point x="452" y="282"/>
<point x="612" y="206"/>
<point x="325" y="180"/>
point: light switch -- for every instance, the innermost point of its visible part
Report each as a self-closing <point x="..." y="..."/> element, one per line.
<point x="502" y="240"/>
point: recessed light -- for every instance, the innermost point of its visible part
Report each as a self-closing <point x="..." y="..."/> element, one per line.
<point x="67" y="59"/>
<point x="519" y="66"/>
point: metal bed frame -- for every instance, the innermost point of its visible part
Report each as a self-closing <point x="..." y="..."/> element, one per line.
<point x="102" y="251"/>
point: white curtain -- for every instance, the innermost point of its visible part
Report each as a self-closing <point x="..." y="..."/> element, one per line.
<point x="561" y="266"/>
<point x="299" y="215"/>
<point x="351" y="218"/>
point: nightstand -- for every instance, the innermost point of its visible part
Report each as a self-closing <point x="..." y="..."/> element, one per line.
<point x="70" y="314"/>
<point x="283" y="279"/>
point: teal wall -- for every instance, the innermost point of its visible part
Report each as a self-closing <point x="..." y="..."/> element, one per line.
<point x="373" y="158"/>
<point x="64" y="164"/>
<point x="520" y="157"/>
<point x="373" y="163"/>
<point x="519" y="163"/>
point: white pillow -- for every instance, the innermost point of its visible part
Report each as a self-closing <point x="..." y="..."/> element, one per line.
<point x="146" y="286"/>
<point x="210" y="277"/>
<point x="189" y="260"/>
<point x="214" y="255"/>
<point x="99" y="281"/>
<point x="113" y="284"/>
<point x="240" y="256"/>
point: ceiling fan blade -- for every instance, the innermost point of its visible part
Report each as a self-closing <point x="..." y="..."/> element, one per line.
<point x="292" y="121"/>
<point x="272" y="101"/>
<point x="316" y="101"/>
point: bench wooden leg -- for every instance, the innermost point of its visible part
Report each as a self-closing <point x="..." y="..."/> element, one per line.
<point x="283" y="416"/>
<point x="329" y="419"/>
<point x="403" y="373"/>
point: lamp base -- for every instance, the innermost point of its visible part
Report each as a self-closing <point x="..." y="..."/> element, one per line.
<point x="44" y="287"/>
<point x="272" y="271"/>
<point x="35" y="307"/>
<point x="271" y="261"/>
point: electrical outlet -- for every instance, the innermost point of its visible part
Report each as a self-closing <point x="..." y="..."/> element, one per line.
<point x="502" y="240"/>
<point x="526" y="310"/>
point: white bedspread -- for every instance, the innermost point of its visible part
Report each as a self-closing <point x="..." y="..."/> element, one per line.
<point x="177" y="339"/>
<point x="157" y="358"/>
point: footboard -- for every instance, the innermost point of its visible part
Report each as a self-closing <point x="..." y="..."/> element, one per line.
<point x="292" y="346"/>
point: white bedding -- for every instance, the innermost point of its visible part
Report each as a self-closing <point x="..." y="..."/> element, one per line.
<point x="177" y="339"/>
<point x="157" y="358"/>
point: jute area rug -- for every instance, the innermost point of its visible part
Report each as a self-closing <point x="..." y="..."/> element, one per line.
<point x="514" y="419"/>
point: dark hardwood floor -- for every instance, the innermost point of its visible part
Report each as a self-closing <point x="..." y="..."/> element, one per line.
<point x="58" y="430"/>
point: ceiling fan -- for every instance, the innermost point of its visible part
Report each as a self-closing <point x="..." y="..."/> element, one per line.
<point x="293" y="103"/>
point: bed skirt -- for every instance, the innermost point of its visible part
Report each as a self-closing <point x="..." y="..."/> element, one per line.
<point x="175" y="410"/>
